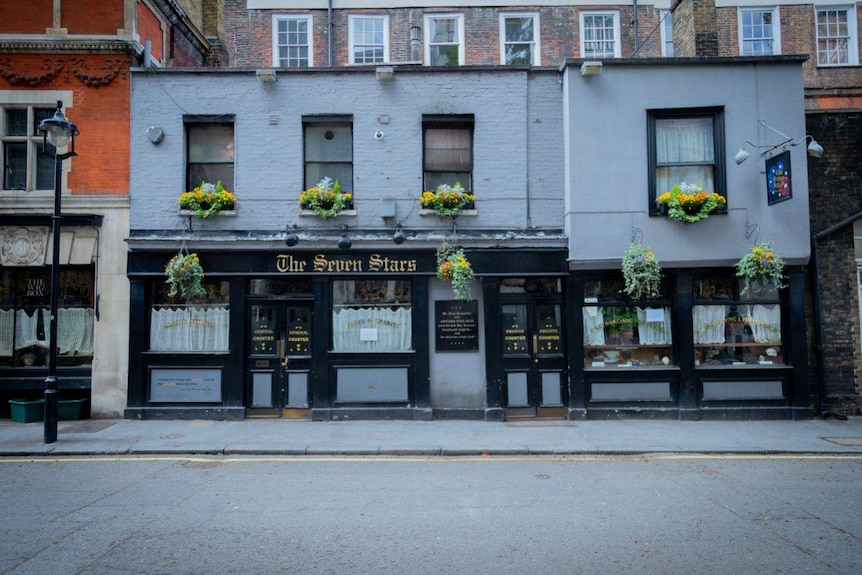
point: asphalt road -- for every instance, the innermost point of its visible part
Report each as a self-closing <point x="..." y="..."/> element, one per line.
<point x="674" y="514"/>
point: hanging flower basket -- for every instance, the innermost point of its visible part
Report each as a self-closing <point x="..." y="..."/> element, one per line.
<point x="452" y="265"/>
<point x="447" y="200"/>
<point x="761" y="270"/>
<point x="642" y="273"/>
<point x="185" y="275"/>
<point x="689" y="203"/>
<point x="326" y="199"/>
<point x="207" y="200"/>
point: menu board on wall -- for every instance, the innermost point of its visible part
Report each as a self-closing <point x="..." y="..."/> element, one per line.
<point x="184" y="385"/>
<point x="456" y="325"/>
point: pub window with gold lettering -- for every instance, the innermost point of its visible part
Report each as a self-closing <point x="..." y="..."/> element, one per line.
<point x="372" y="315"/>
<point x="198" y="325"/>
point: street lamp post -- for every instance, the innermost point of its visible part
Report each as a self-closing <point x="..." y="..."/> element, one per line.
<point x="59" y="132"/>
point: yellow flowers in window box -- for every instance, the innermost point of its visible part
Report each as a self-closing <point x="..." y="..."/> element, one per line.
<point x="689" y="203"/>
<point x="452" y="265"/>
<point x="207" y="200"/>
<point x="447" y="200"/>
<point x="326" y="199"/>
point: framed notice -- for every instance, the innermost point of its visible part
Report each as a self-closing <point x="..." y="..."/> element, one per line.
<point x="456" y="325"/>
<point x="778" y="185"/>
<point x="185" y="385"/>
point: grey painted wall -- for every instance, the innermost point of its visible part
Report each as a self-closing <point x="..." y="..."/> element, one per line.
<point x="514" y="109"/>
<point x="607" y="163"/>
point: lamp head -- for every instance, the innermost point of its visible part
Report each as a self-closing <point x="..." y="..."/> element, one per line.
<point x="291" y="239"/>
<point x="58" y="130"/>
<point x="399" y="237"/>
<point x="344" y="241"/>
<point x="815" y="150"/>
<point x="741" y="156"/>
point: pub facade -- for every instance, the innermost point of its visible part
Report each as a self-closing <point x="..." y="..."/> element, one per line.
<point x="351" y="315"/>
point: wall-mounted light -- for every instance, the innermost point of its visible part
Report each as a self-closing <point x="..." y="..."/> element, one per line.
<point x="291" y="238"/>
<point x="155" y="134"/>
<point x="815" y="150"/>
<point x="399" y="237"/>
<point x="385" y="72"/>
<point x="266" y="75"/>
<point x="344" y="241"/>
<point x="591" y="68"/>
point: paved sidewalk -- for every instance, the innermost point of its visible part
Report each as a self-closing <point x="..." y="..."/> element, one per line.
<point x="287" y="437"/>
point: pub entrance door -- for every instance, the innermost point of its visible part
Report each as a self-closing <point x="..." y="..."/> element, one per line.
<point x="279" y="359"/>
<point x="534" y="360"/>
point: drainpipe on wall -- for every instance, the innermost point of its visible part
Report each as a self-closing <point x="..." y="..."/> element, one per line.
<point x="329" y="31"/>
<point x="635" y="25"/>
<point x="818" y="322"/>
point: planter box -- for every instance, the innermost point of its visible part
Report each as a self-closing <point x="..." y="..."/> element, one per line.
<point x="27" y="410"/>
<point x="70" y="409"/>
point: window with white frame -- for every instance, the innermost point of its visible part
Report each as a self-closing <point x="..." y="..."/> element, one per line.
<point x="600" y="34"/>
<point x="25" y="167"/>
<point x="685" y="146"/>
<point x="759" y="32"/>
<point x="444" y="39"/>
<point x="519" y="39"/>
<point x="369" y="39"/>
<point x="666" y="24"/>
<point x="836" y="36"/>
<point x="291" y="42"/>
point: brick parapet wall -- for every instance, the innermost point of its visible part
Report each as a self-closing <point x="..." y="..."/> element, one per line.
<point x="836" y="194"/>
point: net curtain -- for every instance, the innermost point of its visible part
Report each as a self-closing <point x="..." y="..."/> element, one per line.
<point x="189" y="329"/>
<point x="385" y="329"/>
<point x="74" y="330"/>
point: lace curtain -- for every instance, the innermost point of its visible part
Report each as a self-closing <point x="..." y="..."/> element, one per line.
<point x="683" y="142"/>
<point x="74" y="330"/>
<point x="709" y="323"/>
<point x="198" y="328"/>
<point x="654" y="332"/>
<point x="7" y="326"/>
<point x="594" y="331"/>
<point x="372" y="329"/>
<point x="765" y="322"/>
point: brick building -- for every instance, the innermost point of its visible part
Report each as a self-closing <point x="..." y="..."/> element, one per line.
<point x="80" y="54"/>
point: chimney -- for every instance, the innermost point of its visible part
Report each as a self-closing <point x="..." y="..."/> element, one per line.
<point x="694" y="28"/>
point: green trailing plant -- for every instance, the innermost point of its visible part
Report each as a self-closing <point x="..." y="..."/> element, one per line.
<point x="641" y="272"/>
<point x="326" y="199"/>
<point x="446" y="200"/>
<point x="689" y="203"/>
<point x="185" y="275"/>
<point x="452" y="265"/>
<point x="207" y="200"/>
<point x="761" y="269"/>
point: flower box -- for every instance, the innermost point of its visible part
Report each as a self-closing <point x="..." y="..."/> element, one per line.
<point x="187" y="213"/>
<point x="71" y="409"/>
<point x="461" y="213"/>
<point x="27" y="410"/>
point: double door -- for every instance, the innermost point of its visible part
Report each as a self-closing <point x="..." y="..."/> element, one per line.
<point x="279" y="357"/>
<point x="533" y="359"/>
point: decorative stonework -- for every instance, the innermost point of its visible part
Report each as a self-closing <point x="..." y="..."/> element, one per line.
<point x="23" y="246"/>
<point x="52" y="67"/>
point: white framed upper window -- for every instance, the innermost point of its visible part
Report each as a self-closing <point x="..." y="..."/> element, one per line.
<point x="444" y="39"/>
<point x="759" y="31"/>
<point x="519" y="39"/>
<point x="837" y="42"/>
<point x="24" y="166"/>
<point x="292" y="41"/>
<point x="666" y="24"/>
<point x="600" y="34"/>
<point x="368" y="37"/>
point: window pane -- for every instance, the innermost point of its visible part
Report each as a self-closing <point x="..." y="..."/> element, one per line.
<point x="444" y="55"/>
<point x="200" y="327"/>
<point x="738" y="334"/>
<point x="16" y="122"/>
<point x="40" y="114"/>
<point x="444" y="30"/>
<point x="343" y="173"/>
<point x="328" y="143"/>
<point x="211" y="143"/>
<point x="519" y="29"/>
<point x="434" y="179"/>
<point x="371" y="316"/>
<point x="211" y="173"/>
<point x="681" y="140"/>
<point x="518" y="54"/>
<point x="447" y="149"/>
<point x="625" y="336"/>
<point x="15" y="166"/>
<point x="669" y="176"/>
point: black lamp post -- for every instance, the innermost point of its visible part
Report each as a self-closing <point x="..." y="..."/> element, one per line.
<point x="59" y="132"/>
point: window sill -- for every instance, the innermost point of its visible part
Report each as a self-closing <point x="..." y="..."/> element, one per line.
<point x="468" y="213"/>
<point x="303" y="213"/>
<point x="226" y="213"/>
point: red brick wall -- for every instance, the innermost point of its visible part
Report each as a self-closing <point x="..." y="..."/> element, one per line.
<point x="100" y="112"/>
<point x="92" y="16"/>
<point x="38" y="15"/>
<point x="149" y="27"/>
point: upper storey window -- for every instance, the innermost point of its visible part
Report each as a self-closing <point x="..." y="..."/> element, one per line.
<point x="369" y="39"/>
<point x="210" y="153"/>
<point x="444" y="39"/>
<point x="291" y="42"/>
<point x="759" y="32"/>
<point x="836" y="36"/>
<point x="24" y="167"/>
<point x="519" y="39"/>
<point x="600" y="35"/>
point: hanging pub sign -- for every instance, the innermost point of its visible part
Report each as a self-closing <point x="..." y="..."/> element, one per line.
<point x="778" y="186"/>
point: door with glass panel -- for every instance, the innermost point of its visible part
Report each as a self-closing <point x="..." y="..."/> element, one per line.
<point x="280" y="358"/>
<point x="534" y="362"/>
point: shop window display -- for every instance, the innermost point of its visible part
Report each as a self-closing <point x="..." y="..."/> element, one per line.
<point x="25" y="317"/>
<point x="621" y="333"/>
<point x="372" y="316"/>
<point x="198" y="325"/>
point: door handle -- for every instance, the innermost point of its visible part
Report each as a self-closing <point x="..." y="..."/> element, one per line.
<point x="535" y="348"/>
<point x="284" y="362"/>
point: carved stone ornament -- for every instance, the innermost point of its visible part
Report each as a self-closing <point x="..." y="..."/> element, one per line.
<point x="23" y="246"/>
<point x="51" y="67"/>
